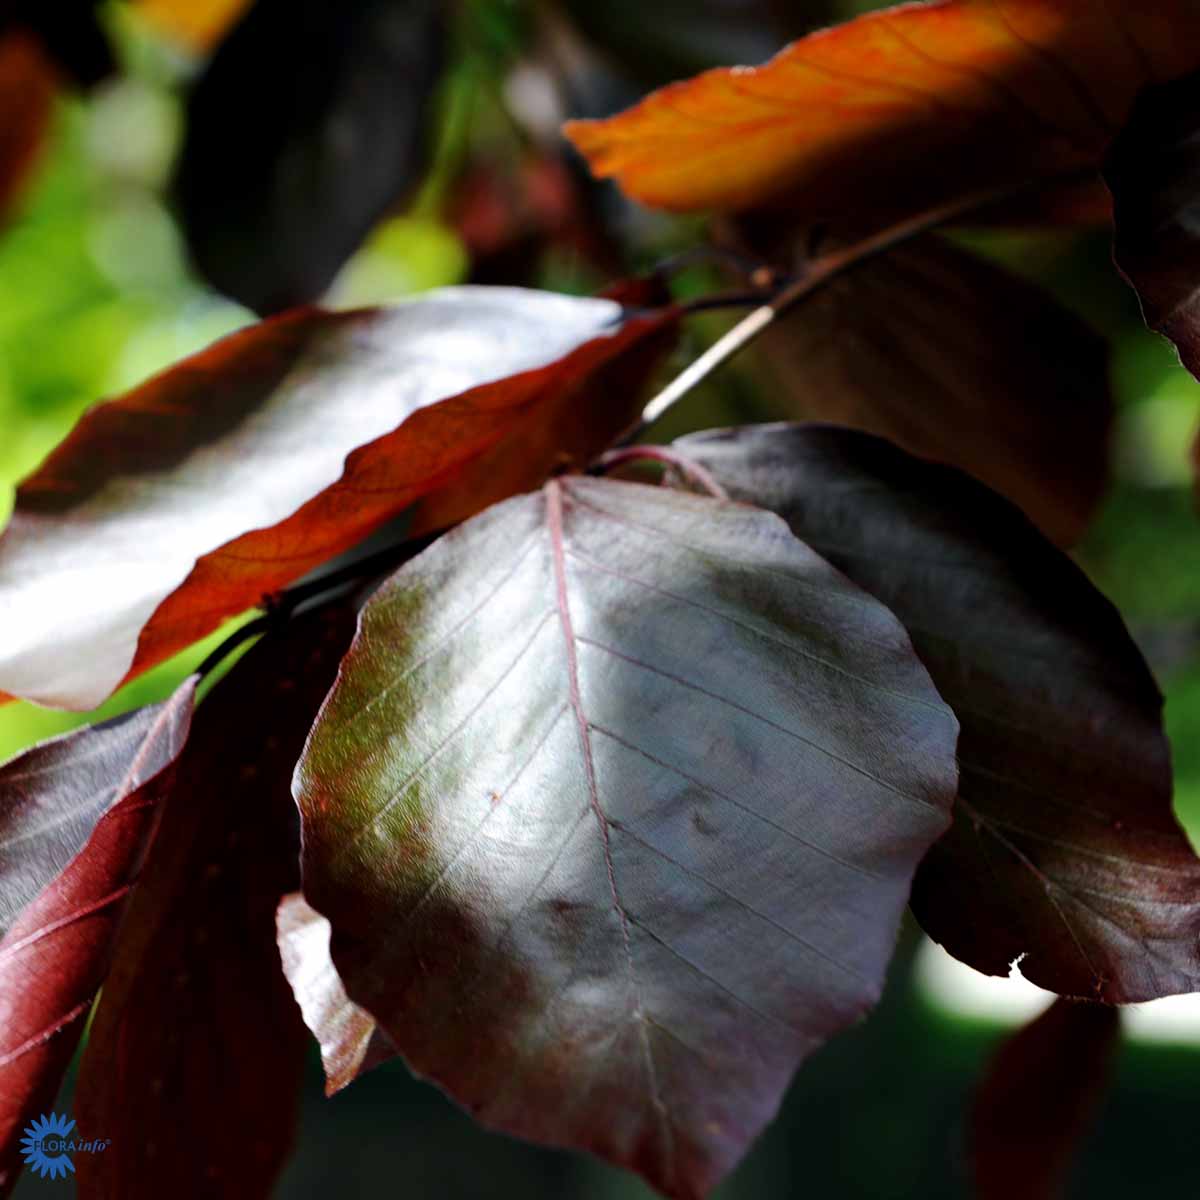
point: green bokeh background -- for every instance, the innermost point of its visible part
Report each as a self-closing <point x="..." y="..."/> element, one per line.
<point x="96" y="294"/>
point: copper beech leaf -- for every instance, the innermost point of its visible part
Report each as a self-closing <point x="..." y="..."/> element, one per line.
<point x="958" y="361"/>
<point x="1037" y="1099"/>
<point x="319" y="112"/>
<point x="58" y="942"/>
<point x="350" y="1038"/>
<point x="238" y="470"/>
<point x="194" y="1059"/>
<point x="614" y="811"/>
<point x="898" y="111"/>
<point x="53" y="795"/>
<point x="1064" y="851"/>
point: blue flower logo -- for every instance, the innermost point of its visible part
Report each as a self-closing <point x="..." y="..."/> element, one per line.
<point x="44" y="1146"/>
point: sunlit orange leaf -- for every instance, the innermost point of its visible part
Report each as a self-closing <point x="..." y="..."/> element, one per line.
<point x="27" y="84"/>
<point x="196" y="23"/>
<point x="242" y="468"/>
<point x="900" y="110"/>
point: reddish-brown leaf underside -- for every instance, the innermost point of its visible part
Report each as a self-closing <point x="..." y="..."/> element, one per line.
<point x="194" y="1058"/>
<point x="1037" y="1098"/>
<point x="899" y="111"/>
<point x="237" y="471"/>
<point x="1065" y="851"/>
<point x="350" y="1038"/>
<point x="958" y="361"/>
<point x="56" y="954"/>
<point x="529" y="803"/>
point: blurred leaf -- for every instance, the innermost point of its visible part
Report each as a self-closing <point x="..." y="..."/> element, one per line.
<point x="529" y="803"/>
<point x="308" y="125"/>
<point x="27" y="86"/>
<point x="511" y="215"/>
<point x="958" y="361"/>
<point x="240" y="469"/>
<point x="350" y="1038"/>
<point x="193" y="1063"/>
<point x="56" y="953"/>
<point x="1064" y="851"/>
<point x="899" y="111"/>
<point x="69" y="31"/>
<point x="1037" y="1100"/>
<point x="197" y="23"/>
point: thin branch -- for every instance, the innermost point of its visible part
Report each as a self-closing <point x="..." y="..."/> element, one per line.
<point x="290" y="601"/>
<point x="742" y="264"/>
<point x="282" y="606"/>
<point x="744" y="332"/>
<point x="243" y="633"/>
<point x="746" y="299"/>
<point x="817" y="274"/>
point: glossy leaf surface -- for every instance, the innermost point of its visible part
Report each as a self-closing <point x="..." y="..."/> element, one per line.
<point x="1064" y="851"/>
<point x="235" y="472"/>
<point x="194" y="1059"/>
<point x="350" y="1038"/>
<point x="308" y="125"/>
<point x="56" y="953"/>
<point x="614" y="810"/>
<point x="898" y="111"/>
<point x="958" y="361"/>
<point x="1037" y="1100"/>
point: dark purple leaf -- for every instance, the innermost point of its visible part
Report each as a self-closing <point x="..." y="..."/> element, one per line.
<point x="57" y="946"/>
<point x="308" y="125"/>
<point x="958" y="361"/>
<point x="1064" y="851"/>
<point x="1037" y="1099"/>
<point x="614" y="810"/>
<point x="194" y="1059"/>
